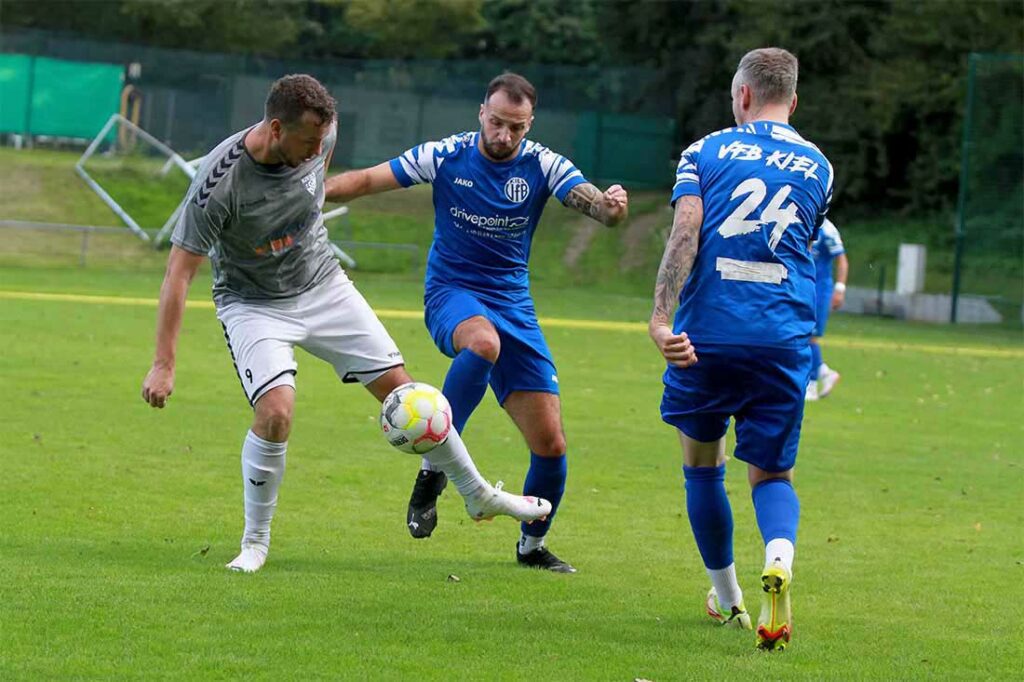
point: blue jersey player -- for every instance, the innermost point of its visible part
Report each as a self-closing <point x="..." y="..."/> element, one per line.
<point x="748" y="203"/>
<point x="829" y="296"/>
<point x="489" y="189"/>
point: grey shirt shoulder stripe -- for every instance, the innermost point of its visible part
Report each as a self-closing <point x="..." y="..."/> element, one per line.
<point x="217" y="171"/>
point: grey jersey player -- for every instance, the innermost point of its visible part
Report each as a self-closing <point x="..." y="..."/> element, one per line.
<point x="278" y="247"/>
<point x="255" y="209"/>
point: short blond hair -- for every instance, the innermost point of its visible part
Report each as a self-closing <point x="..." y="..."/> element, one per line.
<point x="770" y="73"/>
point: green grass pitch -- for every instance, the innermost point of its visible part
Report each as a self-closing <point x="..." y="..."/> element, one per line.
<point x="117" y="519"/>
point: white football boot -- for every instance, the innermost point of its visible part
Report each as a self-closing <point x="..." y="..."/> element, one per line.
<point x="812" y="391"/>
<point x="828" y="382"/>
<point x="735" y="617"/>
<point x="249" y="560"/>
<point x="493" y="501"/>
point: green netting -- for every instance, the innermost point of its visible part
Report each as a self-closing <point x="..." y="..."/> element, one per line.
<point x="73" y="99"/>
<point x="991" y="215"/>
<point x="42" y="96"/>
<point x="15" y="86"/>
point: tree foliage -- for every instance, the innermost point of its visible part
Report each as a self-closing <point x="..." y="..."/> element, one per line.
<point x="545" y="31"/>
<point x="882" y="82"/>
<point x="402" y="29"/>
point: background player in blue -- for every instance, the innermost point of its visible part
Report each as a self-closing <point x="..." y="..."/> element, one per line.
<point x="490" y="188"/>
<point x="829" y="296"/>
<point x="748" y="203"/>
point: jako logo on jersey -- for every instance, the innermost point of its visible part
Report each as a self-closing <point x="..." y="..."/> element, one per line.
<point x="463" y="182"/>
<point x="309" y="182"/>
<point x="516" y="190"/>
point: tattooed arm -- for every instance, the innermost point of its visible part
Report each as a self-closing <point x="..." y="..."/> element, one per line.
<point x="680" y="252"/>
<point x="608" y="208"/>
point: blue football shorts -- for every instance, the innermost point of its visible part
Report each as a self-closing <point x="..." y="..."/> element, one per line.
<point x="822" y="307"/>
<point x="763" y="388"/>
<point x="524" y="363"/>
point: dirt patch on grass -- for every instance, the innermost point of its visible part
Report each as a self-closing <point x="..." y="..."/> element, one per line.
<point x="637" y="239"/>
<point x="583" y="234"/>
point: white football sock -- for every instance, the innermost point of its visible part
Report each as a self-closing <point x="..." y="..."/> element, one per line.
<point x="724" y="582"/>
<point x="262" y="471"/>
<point x="782" y="549"/>
<point x="453" y="459"/>
<point x="425" y="465"/>
<point x="823" y="369"/>
<point x="529" y="543"/>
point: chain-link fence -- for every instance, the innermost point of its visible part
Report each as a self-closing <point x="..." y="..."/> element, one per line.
<point x="606" y="120"/>
<point x="990" y="221"/>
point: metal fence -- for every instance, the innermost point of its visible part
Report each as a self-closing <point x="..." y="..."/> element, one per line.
<point x="990" y="217"/>
<point x="615" y="124"/>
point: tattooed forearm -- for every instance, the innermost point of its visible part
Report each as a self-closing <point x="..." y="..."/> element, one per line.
<point x="680" y="252"/>
<point x="586" y="199"/>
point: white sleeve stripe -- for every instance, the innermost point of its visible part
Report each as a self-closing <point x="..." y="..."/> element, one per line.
<point x="418" y="163"/>
<point x="554" y="169"/>
<point x="548" y="160"/>
<point x="412" y="169"/>
<point x="690" y="177"/>
<point x="408" y="167"/>
<point x="558" y="170"/>
<point x="574" y="174"/>
<point x="560" y="176"/>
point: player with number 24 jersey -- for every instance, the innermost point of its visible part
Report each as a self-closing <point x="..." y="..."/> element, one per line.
<point x="748" y="202"/>
<point x="743" y="239"/>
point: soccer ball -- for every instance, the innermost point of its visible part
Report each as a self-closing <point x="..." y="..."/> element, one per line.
<point x="416" y="418"/>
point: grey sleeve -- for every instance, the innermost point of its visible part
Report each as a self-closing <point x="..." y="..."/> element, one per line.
<point x="199" y="228"/>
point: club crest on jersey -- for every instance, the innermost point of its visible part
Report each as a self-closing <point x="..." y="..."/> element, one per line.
<point x="309" y="182"/>
<point x="516" y="190"/>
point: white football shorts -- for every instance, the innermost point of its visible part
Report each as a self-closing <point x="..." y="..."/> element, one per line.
<point x="331" y="321"/>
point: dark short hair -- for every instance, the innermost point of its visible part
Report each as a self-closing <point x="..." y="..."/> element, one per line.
<point x="291" y="96"/>
<point x="515" y="86"/>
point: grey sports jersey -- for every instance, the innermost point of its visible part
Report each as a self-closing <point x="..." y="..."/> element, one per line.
<point x="261" y="225"/>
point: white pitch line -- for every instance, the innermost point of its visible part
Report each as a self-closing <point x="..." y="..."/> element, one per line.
<point x="556" y="322"/>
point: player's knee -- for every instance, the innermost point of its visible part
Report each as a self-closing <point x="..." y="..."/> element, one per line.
<point x="273" y="419"/>
<point x="486" y="345"/>
<point x="550" y="444"/>
<point x="276" y="426"/>
<point x="757" y="475"/>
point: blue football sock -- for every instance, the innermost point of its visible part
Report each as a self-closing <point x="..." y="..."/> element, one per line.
<point x="777" y="509"/>
<point x="546" y="478"/>
<point x="710" y="514"/>
<point x="815" y="360"/>
<point x="465" y="385"/>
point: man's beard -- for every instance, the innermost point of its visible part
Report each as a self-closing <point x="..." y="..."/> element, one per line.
<point x="494" y="153"/>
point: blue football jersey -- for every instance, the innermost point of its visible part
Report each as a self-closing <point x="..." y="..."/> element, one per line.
<point x="765" y="192"/>
<point x="825" y="248"/>
<point x="485" y="212"/>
